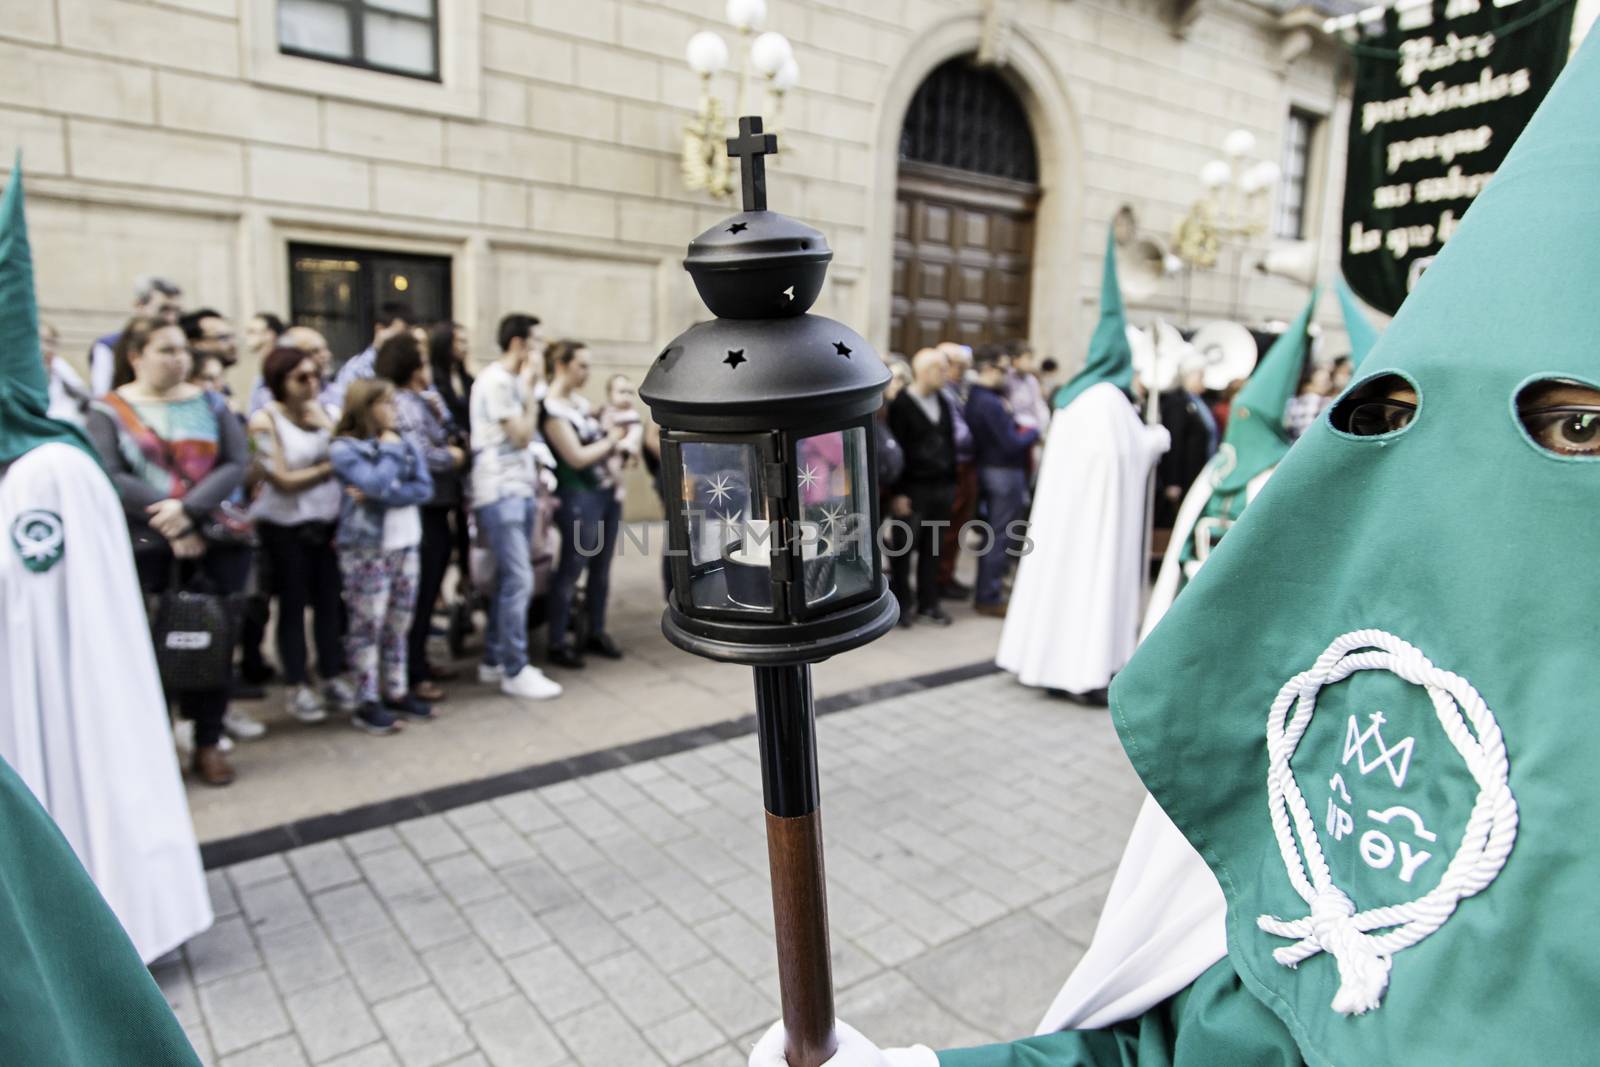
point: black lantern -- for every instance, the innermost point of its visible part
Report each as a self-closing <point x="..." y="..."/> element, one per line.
<point x="769" y="465"/>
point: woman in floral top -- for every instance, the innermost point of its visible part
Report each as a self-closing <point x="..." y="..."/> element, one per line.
<point x="176" y="455"/>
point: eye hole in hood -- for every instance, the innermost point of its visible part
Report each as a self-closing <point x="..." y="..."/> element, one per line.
<point x="1381" y="407"/>
<point x="1561" y="416"/>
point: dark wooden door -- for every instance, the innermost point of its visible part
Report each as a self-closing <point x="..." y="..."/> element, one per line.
<point x="963" y="257"/>
<point x="338" y="291"/>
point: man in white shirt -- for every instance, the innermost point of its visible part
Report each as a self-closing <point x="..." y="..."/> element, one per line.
<point x="505" y="481"/>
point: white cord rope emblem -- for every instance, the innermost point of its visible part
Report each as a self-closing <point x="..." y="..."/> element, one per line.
<point x="1334" y="926"/>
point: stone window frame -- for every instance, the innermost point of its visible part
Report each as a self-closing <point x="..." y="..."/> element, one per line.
<point x="1311" y="124"/>
<point x="457" y="92"/>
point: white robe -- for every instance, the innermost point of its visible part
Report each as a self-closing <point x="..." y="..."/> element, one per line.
<point x="82" y="717"/>
<point x="1073" y="621"/>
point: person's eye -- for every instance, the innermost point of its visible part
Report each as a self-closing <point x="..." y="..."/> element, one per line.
<point x="1377" y="417"/>
<point x="1569" y="432"/>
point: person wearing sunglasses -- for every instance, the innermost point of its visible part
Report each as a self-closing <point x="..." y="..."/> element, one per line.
<point x="295" y="513"/>
<point x="1559" y="415"/>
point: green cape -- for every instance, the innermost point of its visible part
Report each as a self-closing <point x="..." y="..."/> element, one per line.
<point x="1363" y="335"/>
<point x="1460" y="537"/>
<point x="1110" y="356"/>
<point x="1256" y="434"/>
<point x="24" y="386"/>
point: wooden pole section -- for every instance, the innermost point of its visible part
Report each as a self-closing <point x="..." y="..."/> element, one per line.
<point x="786" y="728"/>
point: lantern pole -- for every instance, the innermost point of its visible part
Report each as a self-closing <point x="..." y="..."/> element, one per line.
<point x="787" y="735"/>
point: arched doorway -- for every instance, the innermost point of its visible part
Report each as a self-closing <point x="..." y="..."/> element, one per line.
<point x="966" y="197"/>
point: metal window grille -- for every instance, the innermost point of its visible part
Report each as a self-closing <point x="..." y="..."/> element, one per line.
<point x="968" y="118"/>
<point x="1298" y="134"/>
<point x="391" y="36"/>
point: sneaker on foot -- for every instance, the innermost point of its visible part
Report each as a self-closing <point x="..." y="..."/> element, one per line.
<point x="341" y="694"/>
<point x="305" y="705"/>
<point x="935" y="616"/>
<point x="241" y="725"/>
<point x="375" y="719"/>
<point x="490" y="673"/>
<point x="530" y="683"/>
<point x="412" y="708"/>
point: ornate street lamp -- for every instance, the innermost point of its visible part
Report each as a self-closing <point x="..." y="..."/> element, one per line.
<point x="705" y="164"/>
<point x="1230" y="210"/>
<point x="771" y="486"/>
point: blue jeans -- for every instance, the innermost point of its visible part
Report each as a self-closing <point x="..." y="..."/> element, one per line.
<point x="588" y="519"/>
<point x="507" y="527"/>
<point x="1005" y="500"/>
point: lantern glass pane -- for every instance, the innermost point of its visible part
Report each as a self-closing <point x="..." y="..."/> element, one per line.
<point x="836" y="535"/>
<point x="730" y="537"/>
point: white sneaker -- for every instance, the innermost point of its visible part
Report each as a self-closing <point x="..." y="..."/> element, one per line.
<point x="341" y="694"/>
<point x="490" y="673"/>
<point x="305" y="705"/>
<point x="530" y="684"/>
<point x="242" y="726"/>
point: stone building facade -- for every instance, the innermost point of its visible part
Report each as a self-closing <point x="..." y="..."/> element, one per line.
<point x="540" y="169"/>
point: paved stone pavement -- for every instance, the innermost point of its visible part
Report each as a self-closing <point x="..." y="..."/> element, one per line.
<point x="623" y="919"/>
<point x="300" y="771"/>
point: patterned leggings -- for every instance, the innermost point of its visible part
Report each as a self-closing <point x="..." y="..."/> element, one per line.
<point x="380" y="592"/>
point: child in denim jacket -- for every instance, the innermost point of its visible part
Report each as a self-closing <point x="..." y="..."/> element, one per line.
<point x="385" y="478"/>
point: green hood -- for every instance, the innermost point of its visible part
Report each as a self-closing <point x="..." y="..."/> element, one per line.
<point x="1255" y="431"/>
<point x="24" y="387"/>
<point x="1357" y="326"/>
<point x="1472" y="747"/>
<point x="1110" y="357"/>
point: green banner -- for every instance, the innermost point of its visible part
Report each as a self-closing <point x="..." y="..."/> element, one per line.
<point x="1442" y="90"/>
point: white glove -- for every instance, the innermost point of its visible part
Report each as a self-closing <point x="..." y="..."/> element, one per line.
<point x="854" y="1051"/>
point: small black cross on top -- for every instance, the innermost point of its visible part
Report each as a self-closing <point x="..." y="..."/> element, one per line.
<point x="751" y="148"/>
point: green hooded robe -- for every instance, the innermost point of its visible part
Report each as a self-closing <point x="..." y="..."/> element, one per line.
<point x="1110" y="356"/>
<point x="1371" y="713"/>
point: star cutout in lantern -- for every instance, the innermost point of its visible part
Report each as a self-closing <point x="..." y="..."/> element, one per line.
<point x="842" y="348"/>
<point x="721" y="488"/>
<point x="738" y="227"/>
<point x="735" y="357"/>
<point x="833" y="516"/>
<point x="809" y="478"/>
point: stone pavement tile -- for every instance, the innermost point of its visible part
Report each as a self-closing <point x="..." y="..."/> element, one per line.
<point x="281" y="1052"/>
<point x="275" y="905"/>
<point x="553" y="982"/>
<point x="241" y="1011"/>
<point x="584" y="932"/>
<point x="397" y="874"/>
<point x="706" y="860"/>
<point x="1010" y="999"/>
<point x="751" y="894"/>
<point x="422" y="1029"/>
<point x="613" y="892"/>
<point x="431" y="837"/>
<point x="589" y="817"/>
<point x="894" y="1013"/>
<point x="429" y="920"/>
<point x="467" y="973"/>
<point x="599" y="1035"/>
<point x="372" y="841"/>
<point x="850" y="913"/>
<point x="331" y="1019"/>
<point x="654" y="821"/>
<point x="323" y="866"/>
<point x="508" y="928"/>
<point x="225" y="949"/>
<point x="1074" y="912"/>
<point x="471" y="814"/>
<point x="257" y="870"/>
<point x="350" y="911"/>
<point x="727" y="997"/>
<point x="976" y="907"/>
<point x="299" y="957"/>
<point x="465" y="878"/>
<point x="220" y="888"/>
<point x="527" y="812"/>
<point x="676" y="796"/>
<point x="566" y="849"/>
<point x="750" y="949"/>
<point x="511" y="1034"/>
<point x="643" y="993"/>
<point x="683" y="1037"/>
<point x="636" y="854"/>
<point x="173" y="978"/>
<point x="669" y="943"/>
<point x="379" y="1055"/>
<point x="498" y="843"/>
<point x="539" y="885"/>
<point x="686" y="896"/>
<point x="615" y="791"/>
<point x="850" y="964"/>
<point x="892" y="944"/>
<point x="383" y="965"/>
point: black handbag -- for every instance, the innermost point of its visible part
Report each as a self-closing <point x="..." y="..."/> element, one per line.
<point x="194" y="630"/>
